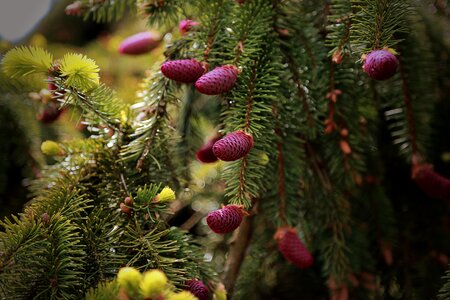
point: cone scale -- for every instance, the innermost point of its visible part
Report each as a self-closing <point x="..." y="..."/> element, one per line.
<point x="233" y="146"/>
<point x="218" y="81"/>
<point x="226" y="219"/>
<point x="292" y="248"/>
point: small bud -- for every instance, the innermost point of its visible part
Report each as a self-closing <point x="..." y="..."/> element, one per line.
<point x="129" y="279"/>
<point x="54" y="282"/>
<point x="166" y="195"/>
<point x="220" y="293"/>
<point x="153" y="283"/>
<point x="125" y="209"/>
<point x="184" y="295"/>
<point x="128" y="201"/>
<point x="45" y="218"/>
<point x="344" y="132"/>
<point x="51" y="148"/>
<point x="74" y="9"/>
<point x="337" y="57"/>
<point x="263" y="158"/>
<point x="345" y="147"/>
<point x="186" y="25"/>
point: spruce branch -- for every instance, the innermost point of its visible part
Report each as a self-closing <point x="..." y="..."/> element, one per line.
<point x="24" y="61"/>
<point x="300" y="89"/>
<point x="161" y="92"/>
<point x="98" y="104"/>
<point x="444" y="291"/>
<point x="375" y="23"/>
<point x="161" y="12"/>
<point x="409" y="111"/>
<point x="104" y="11"/>
<point x="238" y="247"/>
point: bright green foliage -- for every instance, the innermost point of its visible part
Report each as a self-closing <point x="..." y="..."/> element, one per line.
<point x="80" y="71"/>
<point x="23" y="61"/>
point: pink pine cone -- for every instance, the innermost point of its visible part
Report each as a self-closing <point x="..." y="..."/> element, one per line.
<point x="205" y="153"/>
<point x="380" y="64"/>
<point x="50" y="113"/>
<point x="226" y="219"/>
<point x="74" y="9"/>
<point x="292" y="248"/>
<point x="186" y="25"/>
<point x="233" y="146"/>
<point x="198" y="289"/>
<point x="183" y="70"/>
<point x="139" y="43"/>
<point x="218" y="81"/>
<point x="431" y="183"/>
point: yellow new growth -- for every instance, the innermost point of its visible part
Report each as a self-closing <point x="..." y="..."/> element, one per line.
<point x="51" y="148"/>
<point x="166" y="195"/>
<point x="81" y="72"/>
<point x="153" y="283"/>
<point x="184" y="295"/>
<point x="129" y="278"/>
<point x="22" y="61"/>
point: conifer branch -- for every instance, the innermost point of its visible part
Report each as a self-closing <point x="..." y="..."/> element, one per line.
<point x="213" y="30"/>
<point x="300" y="90"/>
<point x="317" y="167"/>
<point x="103" y="11"/>
<point x="409" y="111"/>
<point x="281" y="187"/>
<point x="376" y="23"/>
<point x="237" y="250"/>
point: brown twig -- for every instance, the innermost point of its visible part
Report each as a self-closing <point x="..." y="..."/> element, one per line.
<point x="409" y="110"/>
<point x="249" y="107"/>
<point x="247" y="121"/>
<point x="211" y="36"/>
<point x="160" y="113"/>
<point x="238" y="246"/>
<point x="192" y="221"/>
<point x="281" y="187"/>
<point x="300" y="90"/>
<point x="315" y="163"/>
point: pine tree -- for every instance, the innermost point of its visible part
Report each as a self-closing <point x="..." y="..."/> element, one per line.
<point x="324" y="123"/>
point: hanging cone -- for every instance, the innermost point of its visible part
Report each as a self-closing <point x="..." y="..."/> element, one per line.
<point x="380" y="64"/>
<point x="205" y="154"/>
<point x="292" y="248"/>
<point x="140" y="43"/>
<point x="186" y="25"/>
<point x="184" y="70"/>
<point x="233" y="146"/>
<point x="226" y="219"/>
<point x="218" y="81"/>
<point x="430" y="182"/>
<point x="198" y="289"/>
